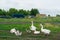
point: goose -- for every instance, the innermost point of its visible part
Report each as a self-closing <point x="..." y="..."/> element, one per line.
<point x="17" y="33"/>
<point x="28" y="31"/>
<point x="33" y="28"/>
<point x="36" y="32"/>
<point x="45" y="31"/>
<point x="13" y="30"/>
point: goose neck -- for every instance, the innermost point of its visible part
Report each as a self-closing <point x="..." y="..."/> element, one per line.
<point x="32" y="23"/>
<point x="41" y="27"/>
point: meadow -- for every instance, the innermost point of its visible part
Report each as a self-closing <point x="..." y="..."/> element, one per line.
<point x="24" y="23"/>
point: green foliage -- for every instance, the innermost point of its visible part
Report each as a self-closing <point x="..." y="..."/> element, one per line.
<point x="20" y="11"/>
<point x="22" y="24"/>
<point x="1" y="12"/>
<point x="12" y="11"/>
<point x="34" y="12"/>
<point x="5" y="31"/>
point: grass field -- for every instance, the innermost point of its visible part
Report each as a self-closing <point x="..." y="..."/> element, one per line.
<point x="23" y="24"/>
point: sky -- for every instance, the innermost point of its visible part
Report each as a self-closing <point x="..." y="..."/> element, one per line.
<point x="29" y="4"/>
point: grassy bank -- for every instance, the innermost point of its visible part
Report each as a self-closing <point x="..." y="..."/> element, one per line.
<point x="23" y="24"/>
<point x="5" y="34"/>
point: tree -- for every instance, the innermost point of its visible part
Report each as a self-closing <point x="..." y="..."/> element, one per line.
<point x="34" y="12"/>
<point x="12" y="11"/>
<point x="28" y="12"/>
<point x="4" y="12"/>
<point x="57" y="15"/>
<point x="48" y="15"/>
<point x="1" y="13"/>
<point x="21" y="11"/>
<point x="24" y="12"/>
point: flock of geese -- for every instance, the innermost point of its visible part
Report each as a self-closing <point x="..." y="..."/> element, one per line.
<point x="32" y="28"/>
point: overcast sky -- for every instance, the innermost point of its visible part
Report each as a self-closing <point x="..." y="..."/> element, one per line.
<point x="28" y="4"/>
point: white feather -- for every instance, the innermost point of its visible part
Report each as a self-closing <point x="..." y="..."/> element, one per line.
<point x="36" y="32"/>
<point x="33" y="28"/>
<point x="45" y="31"/>
<point x="13" y="30"/>
<point x="17" y="33"/>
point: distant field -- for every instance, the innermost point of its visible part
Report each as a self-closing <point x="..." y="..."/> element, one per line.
<point x="23" y="24"/>
<point x="40" y="19"/>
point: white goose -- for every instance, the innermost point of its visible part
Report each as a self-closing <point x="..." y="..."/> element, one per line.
<point x="17" y="33"/>
<point x="33" y="28"/>
<point x="36" y="32"/>
<point x="45" y="31"/>
<point x="13" y="30"/>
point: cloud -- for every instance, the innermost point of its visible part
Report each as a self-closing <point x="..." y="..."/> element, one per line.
<point x="28" y="4"/>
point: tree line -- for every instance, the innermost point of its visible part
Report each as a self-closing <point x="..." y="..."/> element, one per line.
<point x="12" y="11"/>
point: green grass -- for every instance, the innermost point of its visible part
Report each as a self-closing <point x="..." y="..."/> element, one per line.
<point x="40" y="19"/>
<point x="22" y="27"/>
<point x="23" y="24"/>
